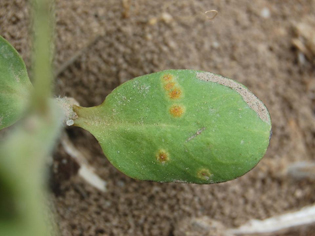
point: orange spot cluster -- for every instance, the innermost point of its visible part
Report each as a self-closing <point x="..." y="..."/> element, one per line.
<point x="177" y="110"/>
<point x="171" y="86"/>
<point x="173" y="92"/>
<point x="204" y="174"/>
<point x="162" y="156"/>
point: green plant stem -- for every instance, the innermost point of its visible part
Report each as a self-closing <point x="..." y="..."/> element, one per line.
<point x="23" y="209"/>
<point x="42" y="55"/>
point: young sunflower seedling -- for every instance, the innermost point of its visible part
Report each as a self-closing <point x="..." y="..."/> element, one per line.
<point x="170" y="126"/>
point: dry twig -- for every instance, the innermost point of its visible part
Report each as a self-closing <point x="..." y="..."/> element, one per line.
<point x="86" y="171"/>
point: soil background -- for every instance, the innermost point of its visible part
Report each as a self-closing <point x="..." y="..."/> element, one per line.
<point x="101" y="44"/>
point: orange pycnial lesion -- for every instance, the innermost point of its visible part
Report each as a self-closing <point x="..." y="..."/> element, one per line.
<point x="177" y="110"/>
<point x="175" y="93"/>
<point x="204" y="174"/>
<point x="162" y="156"/>
<point x="168" y="77"/>
<point x="169" y="86"/>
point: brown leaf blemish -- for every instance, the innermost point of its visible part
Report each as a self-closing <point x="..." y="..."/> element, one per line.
<point x="167" y="77"/>
<point x="162" y="156"/>
<point x="196" y="134"/>
<point x="169" y="86"/>
<point x="204" y="174"/>
<point x="177" y="110"/>
<point x="175" y="93"/>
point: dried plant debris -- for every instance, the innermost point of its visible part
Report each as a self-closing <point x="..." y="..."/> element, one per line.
<point x="302" y="170"/>
<point x="305" y="39"/>
<point x="200" y="226"/>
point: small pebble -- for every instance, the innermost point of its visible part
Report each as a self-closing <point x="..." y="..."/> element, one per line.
<point x="167" y="18"/>
<point x="265" y="13"/>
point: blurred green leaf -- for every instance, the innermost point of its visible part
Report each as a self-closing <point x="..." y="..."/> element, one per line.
<point x="15" y="86"/>
<point x="23" y="175"/>
<point x="23" y="155"/>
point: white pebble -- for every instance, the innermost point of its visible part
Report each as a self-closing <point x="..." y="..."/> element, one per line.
<point x="265" y="12"/>
<point x="167" y="18"/>
<point x="215" y="44"/>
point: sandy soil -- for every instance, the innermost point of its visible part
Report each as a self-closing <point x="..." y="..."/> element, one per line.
<point x="100" y="44"/>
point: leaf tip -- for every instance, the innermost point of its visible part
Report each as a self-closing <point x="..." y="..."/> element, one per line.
<point x="252" y="101"/>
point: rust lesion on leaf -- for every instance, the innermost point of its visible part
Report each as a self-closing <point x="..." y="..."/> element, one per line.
<point x="168" y="86"/>
<point x="204" y="174"/>
<point x="167" y="77"/>
<point x="175" y="93"/>
<point x="177" y="110"/>
<point x="171" y="87"/>
<point x="162" y="156"/>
